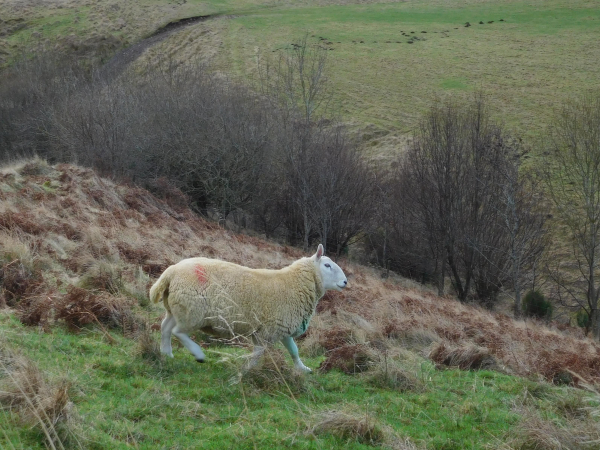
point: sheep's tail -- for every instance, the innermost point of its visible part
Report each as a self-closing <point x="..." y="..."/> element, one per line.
<point x="160" y="290"/>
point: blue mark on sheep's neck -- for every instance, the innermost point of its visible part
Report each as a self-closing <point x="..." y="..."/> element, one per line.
<point x="302" y="328"/>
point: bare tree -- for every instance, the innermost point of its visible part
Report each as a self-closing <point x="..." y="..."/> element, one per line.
<point x="523" y="212"/>
<point x="464" y="179"/>
<point x="573" y="182"/>
<point x="297" y="80"/>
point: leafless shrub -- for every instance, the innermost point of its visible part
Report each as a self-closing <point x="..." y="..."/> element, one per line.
<point x="468" y="357"/>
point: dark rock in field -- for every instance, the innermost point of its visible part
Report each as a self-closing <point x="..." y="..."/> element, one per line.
<point x="409" y="42"/>
<point x="388" y="42"/>
<point x="362" y="42"/>
<point x="412" y="32"/>
<point x="491" y="21"/>
<point x="467" y="25"/>
<point x="423" y="31"/>
<point x="398" y="42"/>
<point x="501" y="20"/>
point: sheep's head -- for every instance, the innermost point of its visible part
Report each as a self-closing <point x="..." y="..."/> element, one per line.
<point x="332" y="275"/>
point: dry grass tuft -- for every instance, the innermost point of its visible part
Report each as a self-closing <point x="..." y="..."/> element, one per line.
<point x="412" y="338"/>
<point x="102" y="275"/>
<point x="397" y="443"/>
<point x="468" y="357"/>
<point x="275" y="373"/>
<point x="336" y="337"/>
<point x="37" y="402"/>
<point x="391" y="374"/>
<point x="350" y="359"/>
<point x="147" y="346"/>
<point x="34" y="167"/>
<point x="351" y="427"/>
<point x="534" y="432"/>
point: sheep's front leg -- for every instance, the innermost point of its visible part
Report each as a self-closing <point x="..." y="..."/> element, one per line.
<point x="291" y="346"/>
<point x="189" y="344"/>
<point x="166" y="328"/>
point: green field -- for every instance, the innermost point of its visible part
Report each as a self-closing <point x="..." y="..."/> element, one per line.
<point x="122" y="400"/>
<point x="541" y="53"/>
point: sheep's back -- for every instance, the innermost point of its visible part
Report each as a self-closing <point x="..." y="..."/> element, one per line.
<point x="225" y="298"/>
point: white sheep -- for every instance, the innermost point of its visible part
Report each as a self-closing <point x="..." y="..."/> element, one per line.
<point x="226" y="300"/>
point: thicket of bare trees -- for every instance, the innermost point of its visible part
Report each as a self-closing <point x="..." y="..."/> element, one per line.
<point x="272" y="161"/>
<point x="573" y="182"/>
<point x="461" y="207"/>
<point x="458" y="207"/>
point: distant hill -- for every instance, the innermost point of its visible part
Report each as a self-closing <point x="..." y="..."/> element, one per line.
<point x="387" y="60"/>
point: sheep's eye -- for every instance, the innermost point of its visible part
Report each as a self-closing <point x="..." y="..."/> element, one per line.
<point x="327" y="265"/>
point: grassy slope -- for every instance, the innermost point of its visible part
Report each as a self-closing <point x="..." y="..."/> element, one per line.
<point x="60" y="224"/>
<point x="543" y="53"/>
<point x="122" y="398"/>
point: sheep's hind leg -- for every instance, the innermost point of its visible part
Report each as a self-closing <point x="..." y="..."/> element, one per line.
<point x="194" y="348"/>
<point x="166" y="328"/>
<point x="255" y="356"/>
<point x="291" y="346"/>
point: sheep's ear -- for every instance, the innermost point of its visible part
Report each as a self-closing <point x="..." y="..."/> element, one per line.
<point x="320" y="251"/>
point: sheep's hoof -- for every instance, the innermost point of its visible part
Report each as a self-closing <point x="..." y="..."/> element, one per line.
<point x="200" y="360"/>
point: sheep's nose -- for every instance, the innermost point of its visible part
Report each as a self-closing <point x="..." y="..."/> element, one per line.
<point x="345" y="282"/>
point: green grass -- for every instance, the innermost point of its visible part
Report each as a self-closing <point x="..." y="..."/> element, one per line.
<point x="541" y="54"/>
<point x="123" y="400"/>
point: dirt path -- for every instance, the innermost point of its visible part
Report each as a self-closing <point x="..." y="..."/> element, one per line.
<point x="118" y="63"/>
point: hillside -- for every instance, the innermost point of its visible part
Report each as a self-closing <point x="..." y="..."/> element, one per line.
<point x="387" y="60"/>
<point x="78" y="255"/>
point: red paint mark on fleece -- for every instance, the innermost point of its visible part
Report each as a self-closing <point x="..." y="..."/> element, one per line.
<point x="201" y="274"/>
